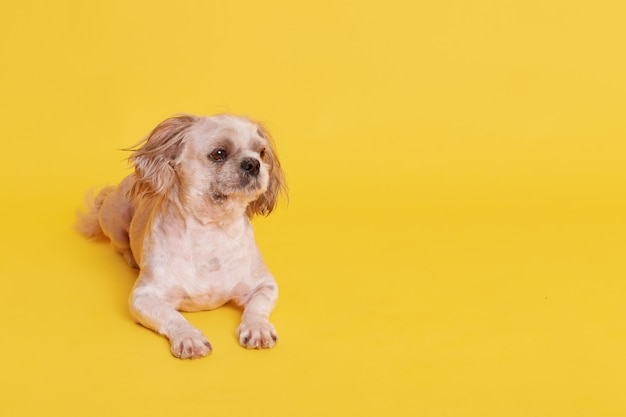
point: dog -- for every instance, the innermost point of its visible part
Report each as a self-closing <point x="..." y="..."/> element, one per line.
<point x="183" y="219"/>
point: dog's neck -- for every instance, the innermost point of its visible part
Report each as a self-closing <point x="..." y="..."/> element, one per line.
<point x="174" y="223"/>
<point x="204" y="210"/>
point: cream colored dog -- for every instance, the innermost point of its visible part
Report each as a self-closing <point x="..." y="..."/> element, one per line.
<point x="182" y="218"/>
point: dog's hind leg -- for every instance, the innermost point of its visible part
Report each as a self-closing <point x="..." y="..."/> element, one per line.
<point x="115" y="215"/>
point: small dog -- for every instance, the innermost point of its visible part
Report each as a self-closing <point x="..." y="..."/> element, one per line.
<point x="182" y="219"/>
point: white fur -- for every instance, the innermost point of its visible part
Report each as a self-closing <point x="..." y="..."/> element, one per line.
<point x="182" y="218"/>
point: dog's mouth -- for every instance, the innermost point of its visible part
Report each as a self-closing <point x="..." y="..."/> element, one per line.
<point x="221" y="197"/>
<point x="247" y="187"/>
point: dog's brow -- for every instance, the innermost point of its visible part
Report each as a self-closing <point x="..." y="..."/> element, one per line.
<point x="259" y="132"/>
<point x="225" y="142"/>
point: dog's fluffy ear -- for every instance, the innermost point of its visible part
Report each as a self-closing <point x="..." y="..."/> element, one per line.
<point x="266" y="202"/>
<point x="155" y="160"/>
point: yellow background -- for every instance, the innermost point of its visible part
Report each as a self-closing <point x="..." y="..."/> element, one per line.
<point x="454" y="244"/>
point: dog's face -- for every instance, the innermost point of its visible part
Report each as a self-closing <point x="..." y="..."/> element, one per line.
<point x="225" y="158"/>
<point x="220" y="159"/>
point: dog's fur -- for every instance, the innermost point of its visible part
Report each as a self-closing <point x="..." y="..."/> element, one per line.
<point x="182" y="218"/>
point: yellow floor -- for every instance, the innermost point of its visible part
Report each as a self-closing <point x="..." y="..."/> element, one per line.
<point x="455" y="240"/>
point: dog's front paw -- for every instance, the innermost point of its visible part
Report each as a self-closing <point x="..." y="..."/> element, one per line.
<point x="257" y="335"/>
<point x="190" y="344"/>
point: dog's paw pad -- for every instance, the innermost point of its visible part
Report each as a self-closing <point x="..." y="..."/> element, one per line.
<point x="257" y="335"/>
<point x="190" y="344"/>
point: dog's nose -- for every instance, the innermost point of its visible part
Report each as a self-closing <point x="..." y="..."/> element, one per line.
<point x="250" y="166"/>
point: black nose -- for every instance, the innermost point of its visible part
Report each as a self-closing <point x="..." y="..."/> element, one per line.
<point x="250" y="166"/>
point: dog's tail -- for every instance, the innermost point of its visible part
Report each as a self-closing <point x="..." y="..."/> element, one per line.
<point x="87" y="222"/>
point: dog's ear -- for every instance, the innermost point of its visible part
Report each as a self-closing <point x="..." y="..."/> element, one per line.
<point x="266" y="202"/>
<point x="155" y="161"/>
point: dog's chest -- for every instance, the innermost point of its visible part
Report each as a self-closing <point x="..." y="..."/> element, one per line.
<point x="209" y="266"/>
<point x="216" y="258"/>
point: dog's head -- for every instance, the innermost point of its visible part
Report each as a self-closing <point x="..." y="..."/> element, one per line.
<point x="221" y="159"/>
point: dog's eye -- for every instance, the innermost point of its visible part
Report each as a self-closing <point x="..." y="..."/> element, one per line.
<point x="262" y="153"/>
<point x="218" y="155"/>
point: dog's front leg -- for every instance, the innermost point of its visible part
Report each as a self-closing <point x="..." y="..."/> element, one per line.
<point x="155" y="313"/>
<point x="255" y="330"/>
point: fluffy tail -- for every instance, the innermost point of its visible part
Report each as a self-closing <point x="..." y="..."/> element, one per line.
<point x="87" y="222"/>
